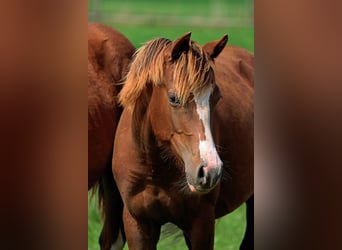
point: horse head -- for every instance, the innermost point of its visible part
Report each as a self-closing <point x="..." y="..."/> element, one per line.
<point x="179" y="104"/>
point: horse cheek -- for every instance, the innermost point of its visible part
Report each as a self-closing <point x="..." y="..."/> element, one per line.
<point x="161" y="127"/>
<point x="165" y="135"/>
<point x="160" y="122"/>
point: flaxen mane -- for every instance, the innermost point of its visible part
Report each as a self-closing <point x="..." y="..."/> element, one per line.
<point x="192" y="71"/>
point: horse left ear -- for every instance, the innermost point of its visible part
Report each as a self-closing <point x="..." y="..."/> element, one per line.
<point x="214" y="48"/>
<point x="180" y="45"/>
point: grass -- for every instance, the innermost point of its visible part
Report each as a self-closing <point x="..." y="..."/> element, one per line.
<point x="242" y="37"/>
<point x="208" y="20"/>
<point x="141" y="21"/>
<point x="180" y="8"/>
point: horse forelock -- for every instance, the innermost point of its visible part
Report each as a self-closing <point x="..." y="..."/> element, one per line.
<point x="192" y="71"/>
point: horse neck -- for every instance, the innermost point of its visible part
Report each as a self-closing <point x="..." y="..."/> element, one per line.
<point x="141" y="127"/>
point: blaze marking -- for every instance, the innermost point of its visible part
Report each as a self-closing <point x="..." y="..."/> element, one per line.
<point x="207" y="147"/>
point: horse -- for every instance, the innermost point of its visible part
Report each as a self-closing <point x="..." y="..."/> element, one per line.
<point x="109" y="54"/>
<point x="183" y="149"/>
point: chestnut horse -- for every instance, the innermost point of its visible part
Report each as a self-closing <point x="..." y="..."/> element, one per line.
<point x="183" y="150"/>
<point x="109" y="54"/>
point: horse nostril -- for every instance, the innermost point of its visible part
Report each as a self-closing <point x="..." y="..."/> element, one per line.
<point x="208" y="176"/>
<point x="202" y="176"/>
<point x="201" y="172"/>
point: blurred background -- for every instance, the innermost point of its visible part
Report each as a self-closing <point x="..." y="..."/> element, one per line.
<point x="142" y="20"/>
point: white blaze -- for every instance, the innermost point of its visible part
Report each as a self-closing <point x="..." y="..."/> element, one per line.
<point x="207" y="147"/>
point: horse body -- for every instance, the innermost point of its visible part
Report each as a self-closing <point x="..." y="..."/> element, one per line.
<point x="165" y="162"/>
<point x="234" y="115"/>
<point x="109" y="54"/>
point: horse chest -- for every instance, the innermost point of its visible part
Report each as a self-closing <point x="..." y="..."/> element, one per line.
<point x="152" y="202"/>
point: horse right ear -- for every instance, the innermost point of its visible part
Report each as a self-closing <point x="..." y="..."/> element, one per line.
<point x="180" y="45"/>
<point x="215" y="48"/>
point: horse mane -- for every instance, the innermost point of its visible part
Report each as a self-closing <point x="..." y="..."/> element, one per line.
<point x="192" y="71"/>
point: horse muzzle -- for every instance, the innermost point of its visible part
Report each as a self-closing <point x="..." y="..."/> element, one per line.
<point x="207" y="177"/>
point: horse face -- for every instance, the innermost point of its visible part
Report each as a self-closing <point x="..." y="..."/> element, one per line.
<point x="185" y="128"/>
<point x="193" y="141"/>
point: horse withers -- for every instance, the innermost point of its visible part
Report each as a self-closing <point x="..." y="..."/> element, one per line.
<point x="183" y="150"/>
<point x="109" y="54"/>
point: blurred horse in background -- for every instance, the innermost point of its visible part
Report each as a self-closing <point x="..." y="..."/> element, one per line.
<point x="184" y="146"/>
<point x="109" y="54"/>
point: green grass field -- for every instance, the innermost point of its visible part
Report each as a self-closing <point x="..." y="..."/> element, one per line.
<point x="141" y="21"/>
<point x="208" y="20"/>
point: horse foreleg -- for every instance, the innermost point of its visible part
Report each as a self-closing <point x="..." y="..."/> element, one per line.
<point x="202" y="230"/>
<point x="140" y="234"/>
<point x="248" y="240"/>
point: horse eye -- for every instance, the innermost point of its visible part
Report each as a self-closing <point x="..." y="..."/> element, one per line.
<point x="173" y="99"/>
